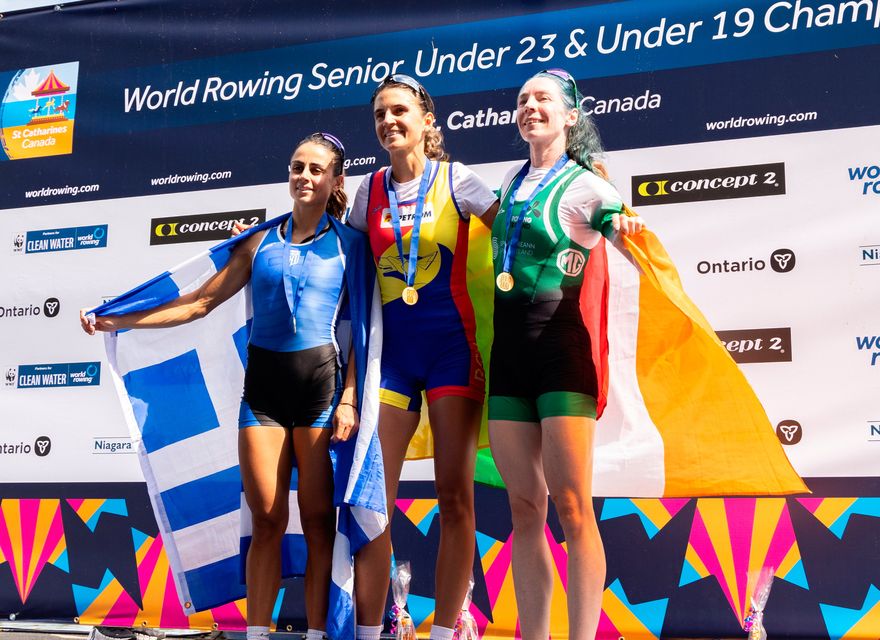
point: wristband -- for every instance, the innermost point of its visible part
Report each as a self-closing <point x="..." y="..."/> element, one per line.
<point x="353" y="406"/>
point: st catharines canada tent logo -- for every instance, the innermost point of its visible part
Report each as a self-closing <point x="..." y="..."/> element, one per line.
<point x="37" y="112"/>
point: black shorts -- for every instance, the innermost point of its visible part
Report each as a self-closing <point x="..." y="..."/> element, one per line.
<point x="541" y="363"/>
<point x="290" y="389"/>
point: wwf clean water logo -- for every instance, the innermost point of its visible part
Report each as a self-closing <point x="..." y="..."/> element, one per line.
<point x="49" y="308"/>
<point x="41" y="447"/>
<point x="867" y="177"/>
<point x="780" y="261"/>
<point x="39" y="376"/>
<point x="722" y="183"/>
<point x="66" y="239"/>
<point x="789" y="432"/>
<point x="758" y="345"/>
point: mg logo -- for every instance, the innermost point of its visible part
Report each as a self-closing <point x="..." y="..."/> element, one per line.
<point x="571" y="262"/>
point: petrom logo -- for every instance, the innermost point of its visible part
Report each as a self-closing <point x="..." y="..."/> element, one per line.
<point x="758" y="345"/>
<point x="722" y="183"/>
<point x="200" y="227"/>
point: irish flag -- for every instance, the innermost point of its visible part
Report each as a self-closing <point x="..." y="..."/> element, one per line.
<point x="679" y="418"/>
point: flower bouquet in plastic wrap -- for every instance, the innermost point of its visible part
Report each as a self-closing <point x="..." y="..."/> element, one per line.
<point x="754" y="622"/>
<point x="466" y="625"/>
<point x="401" y="622"/>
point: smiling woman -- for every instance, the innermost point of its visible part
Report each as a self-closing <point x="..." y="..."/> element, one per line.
<point x="417" y="215"/>
<point x="295" y="402"/>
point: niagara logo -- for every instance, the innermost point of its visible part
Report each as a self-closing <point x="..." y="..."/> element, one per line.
<point x="108" y="446"/>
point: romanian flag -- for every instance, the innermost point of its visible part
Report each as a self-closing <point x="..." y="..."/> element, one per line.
<point x="677" y="416"/>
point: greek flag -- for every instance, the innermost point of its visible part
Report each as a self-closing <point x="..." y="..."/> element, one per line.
<point x="180" y="389"/>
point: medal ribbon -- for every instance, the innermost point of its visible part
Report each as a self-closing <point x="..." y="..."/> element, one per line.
<point x="302" y="274"/>
<point x="410" y="269"/>
<point x="512" y="243"/>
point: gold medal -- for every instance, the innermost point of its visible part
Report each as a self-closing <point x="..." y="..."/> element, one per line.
<point x="504" y="281"/>
<point x="410" y="295"/>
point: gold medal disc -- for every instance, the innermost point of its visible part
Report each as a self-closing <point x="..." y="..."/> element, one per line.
<point x="504" y="281"/>
<point x="410" y="295"/>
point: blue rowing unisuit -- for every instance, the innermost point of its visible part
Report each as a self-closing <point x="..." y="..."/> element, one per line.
<point x="316" y="311"/>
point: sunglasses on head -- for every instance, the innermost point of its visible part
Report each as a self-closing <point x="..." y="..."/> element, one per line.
<point x="336" y="142"/>
<point x="408" y="81"/>
<point x="564" y="75"/>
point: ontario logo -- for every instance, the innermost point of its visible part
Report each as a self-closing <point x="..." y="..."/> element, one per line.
<point x="73" y="374"/>
<point x="789" y="432"/>
<point x="67" y="239"/>
<point x="780" y="261"/>
<point x="37" y="112"/>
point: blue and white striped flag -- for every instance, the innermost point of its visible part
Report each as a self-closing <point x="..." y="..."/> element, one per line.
<point x="180" y="389"/>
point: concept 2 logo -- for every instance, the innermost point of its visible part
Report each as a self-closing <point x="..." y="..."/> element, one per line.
<point x="709" y="184"/>
<point x="208" y="226"/>
<point x="758" y="345"/>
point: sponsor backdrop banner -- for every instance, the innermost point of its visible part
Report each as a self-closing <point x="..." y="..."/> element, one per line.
<point x="745" y="132"/>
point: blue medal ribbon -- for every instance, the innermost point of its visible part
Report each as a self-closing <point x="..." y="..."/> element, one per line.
<point x="412" y="266"/>
<point x="302" y="273"/>
<point x="511" y="241"/>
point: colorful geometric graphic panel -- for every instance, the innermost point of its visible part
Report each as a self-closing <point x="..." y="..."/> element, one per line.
<point x="109" y="603"/>
<point x="31" y="535"/>
<point x="653" y="513"/>
<point x="420" y="512"/>
<point x="732" y="539"/>
<point x="844" y="624"/>
<point x="621" y="618"/>
<point x="835" y="513"/>
<point x="90" y="510"/>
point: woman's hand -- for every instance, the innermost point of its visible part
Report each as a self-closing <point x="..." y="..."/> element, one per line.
<point x="345" y="422"/>
<point x="627" y="224"/>
<point x="239" y="228"/>
<point x="90" y="324"/>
